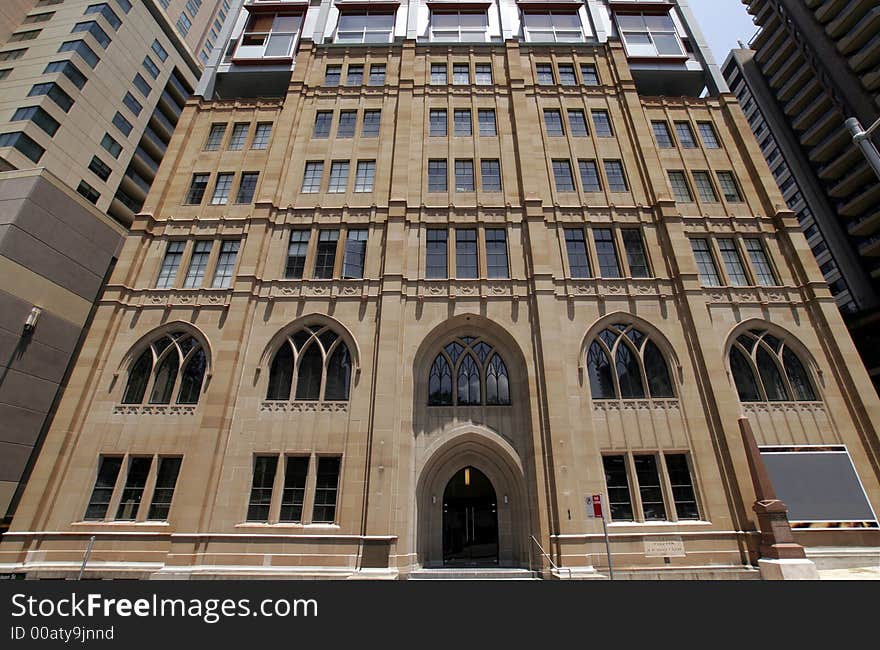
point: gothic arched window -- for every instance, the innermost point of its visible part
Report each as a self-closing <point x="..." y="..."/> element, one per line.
<point x="175" y="361"/>
<point x="468" y="372"/>
<point x="765" y="369"/>
<point x="312" y="364"/>
<point x="624" y="363"/>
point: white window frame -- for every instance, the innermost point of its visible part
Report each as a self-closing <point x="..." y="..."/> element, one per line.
<point x="365" y="34"/>
<point x="554" y="33"/>
<point x="275" y="33"/>
<point x="462" y="34"/>
<point x="649" y="50"/>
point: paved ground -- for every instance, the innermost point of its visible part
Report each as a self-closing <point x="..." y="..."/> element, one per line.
<point x="860" y="573"/>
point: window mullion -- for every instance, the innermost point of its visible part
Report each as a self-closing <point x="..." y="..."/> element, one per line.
<point x="635" y="489"/>
<point x="277" y="489"/>
<point x="666" y="488"/>
<point x="149" y="488"/>
<point x="118" y="487"/>
<point x="311" y="484"/>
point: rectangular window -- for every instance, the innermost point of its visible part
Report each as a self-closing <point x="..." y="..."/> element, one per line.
<point x="313" y="176"/>
<point x="377" y="74"/>
<point x="552" y="27"/>
<point x="566" y="75"/>
<point x="122" y="124"/>
<point x="707" y="133"/>
<point x="24" y="143"/>
<point x="133" y="492"/>
<point x="617" y="481"/>
<point x="26" y="36"/>
<point x="102" y="493"/>
<point x="215" y="137"/>
<point x="462" y="125"/>
<point x="195" y="274"/>
<point x="323" y="121"/>
<point x="589" y="74"/>
<point x="729" y="188"/>
<point x="39" y="117"/>
<point x="222" y="188"/>
<point x="365" y="176"/>
<point x="69" y="70"/>
<point x="685" y="135"/>
<point x="292" y="498"/>
<point x="683" y="495"/>
<point x="616" y="176"/>
<point x="436" y="261"/>
<point x="649" y="35"/>
<point x="170" y="265"/>
<point x="438" y="74"/>
<point x="5" y="72"/>
<point x="355" y="253"/>
<point x="261" y="488"/>
<point x="562" y="176"/>
<point x="437" y="176"/>
<point x="760" y="263"/>
<point x="650" y="491"/>
<point x="680" y="187"/>
<point x="226" y="264"/>
<point x="239" y="136"/>
<point x="197" y="188"/>
<point x="93" y="28"/>
<point x="150" y="67"/>
<point x="88" y="191"/>
<point x="496" y="253"/>
<point x="163" y="492"/>
<point x="246" y="187"/>
<point x="732" y="262"/>
<point x="104" y="10"/>
<point x="159" y="50"/>
<point x="662" y="134"/>
<point x="464" y="175"/>
<point x="261" y="135"/>
<point x="372" y="121"/>
<point x="347" y="124"/>
<point x="483" y="74"/>
<point x="325" y="256"/>
<point x="99" y="168"/>
<point x="437" y="122"/>
<point x="590" y="179"/>
<point x="461" y="74"/>
<point x="42" y="18"/>
<point x="141" y="84"/>
<point x="545" y="74"/>
<point x="602" y="124"/>
<point x="12" y="55"/>
<point x="635" y="253"/>
<point x="577" y="123"/>
<point x="553" y="123"/>
<point x="338" y="177"/>
<point x="705" y="263"/>
<point x="332" y="75"/>
<point x="490" y="172"/>
<point x="606" y="252"/>
<point x="326" y="488"/>
<point x="486" y="118"/>
<point x="55" y="93"/>
<point x="365" y="26"/>
<point x="355" y="75"/>
<point x="81" y="47"/>
<point x="296" y="254"/>
<point x="183" y="24"/>
<point x="459" y="27"/>
<point x="705" y="189"/>
<point x="576" y="248"/>
<point x="466" y="263"/>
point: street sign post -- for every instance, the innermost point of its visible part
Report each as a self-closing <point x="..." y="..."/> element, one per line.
<point x="595" y="511"/>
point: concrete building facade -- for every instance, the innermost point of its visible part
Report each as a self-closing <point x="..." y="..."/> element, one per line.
<point x="468" y="267"/>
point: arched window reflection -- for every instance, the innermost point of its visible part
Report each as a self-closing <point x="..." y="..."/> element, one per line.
<point x="173" y="361"/>
<point x="766" y="369"/>
<point x="312" y="364"/>
<point x="639" y="370"/>
<point x="481" y="376"/>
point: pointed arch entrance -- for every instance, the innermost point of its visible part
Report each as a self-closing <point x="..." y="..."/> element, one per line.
<point x="470" y="520"/>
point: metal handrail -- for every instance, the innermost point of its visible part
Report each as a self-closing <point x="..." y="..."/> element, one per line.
<point x="549" y="559"/>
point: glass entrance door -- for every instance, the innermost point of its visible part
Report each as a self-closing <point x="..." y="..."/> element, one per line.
<point x="470" y="520"/>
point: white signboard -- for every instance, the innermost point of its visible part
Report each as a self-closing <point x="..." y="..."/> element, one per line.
<point x="664" y="547"/>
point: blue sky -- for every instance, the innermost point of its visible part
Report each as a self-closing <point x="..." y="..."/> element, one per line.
<point x="723" y="22"/>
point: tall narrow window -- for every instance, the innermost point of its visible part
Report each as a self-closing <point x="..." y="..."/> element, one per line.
<point x="226" y="264"/>
<point x="296" y="254"/>
<point x="215" y="137"/>
<point x="170" y="264"/>
<point x="562" y="176"/>
<point x="576" y="249"/>
<point x="490" y="172"/>
<point x="705" y="263"/>
<point x="326" y="488"/>
<point x="705" y="189"/>
<point x="729" y="188"/>
<point x="616" y="479"/>
<point x="325" y="257"/>
<point x="133" y="492"/>
<point x="462" y="122"/>
<point x="589" y="74"/>
<point x="486" y="117"/>
<point x="438" y="74"/>
<point x="437" y="176"/>
<point x="606" y="251"/>
<point x="553" y="122"/>
<point x="466" y="265"/>
<point x="355" y="253"/>
<point x="577" y="123"/>
<point x="589" y="176"/>
<point x="261" y="488"/>
<point x="616" y="176"/>
<point x="635" y="253"/>
<point x="436" y="262"/>
<point x="707" y="133"/>
<point x="461" y="74"/>
<point x="221" y="188"/>
<point x="650" y="491"/>
<point x="163" y="492"/>
<point x="338" y="177"/>
<point x="195" y="274"/>
<point x="732" y="262"/>
<point x="685" y="135"/>
<point x="662" y="135"/>
<point x="292" y="498"/>
<point x="312" y="177"/>
<point x="323" y="120"/>
<point x="365" y="176"/>
<point x="377" y="74"/>
<point x="680" y="188"/>
<point x="464" y="175"/>
<point x="261" y="135"/>
<point x="545" y="74"/>
<point x="332" y="75"/>
<point x="496" y="253"/>
<point x="683" y="496"/>
<point x="760" y="263"/>
<point x="602" y="123"/>
<point x="347" y="124"/>
<point x="99" y="502"/>
<point x="437" y="122"/>
<point x="372" y="119"/>
<point x="246" y="187"/>
<point x="483" y="74"/>
<point x="566" y="75"/>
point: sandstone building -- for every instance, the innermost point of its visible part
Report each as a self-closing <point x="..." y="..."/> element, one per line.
<point x="417" y="278"/>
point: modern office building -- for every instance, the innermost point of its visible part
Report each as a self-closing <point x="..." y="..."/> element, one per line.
<point x="813" y="65"/>
<point x="90" y="93"/>
<point x="418" y="279"/>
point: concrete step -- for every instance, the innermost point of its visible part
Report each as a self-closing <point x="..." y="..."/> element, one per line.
<point x="458" y="573"/>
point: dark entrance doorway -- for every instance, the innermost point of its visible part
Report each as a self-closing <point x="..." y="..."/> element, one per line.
<point x="470" y="520"/>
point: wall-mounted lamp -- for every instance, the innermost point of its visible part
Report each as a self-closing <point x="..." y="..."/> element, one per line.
<point x="31" y="323"/>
